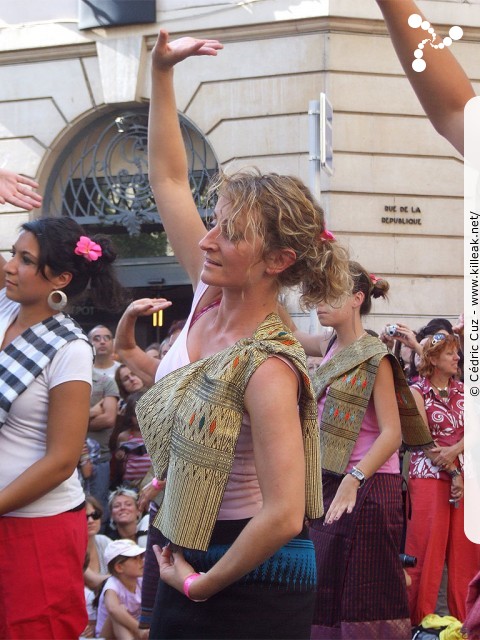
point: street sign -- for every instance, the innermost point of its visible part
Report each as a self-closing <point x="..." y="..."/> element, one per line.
<point x="326" y="134"/>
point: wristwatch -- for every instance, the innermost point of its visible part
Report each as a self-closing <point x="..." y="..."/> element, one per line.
<point x="359" y="475"/>
<point x="455" y="472"/>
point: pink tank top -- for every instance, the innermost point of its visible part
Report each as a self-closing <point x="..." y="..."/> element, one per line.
<point x="369" y="432"/>
<point x="242" y="497"/>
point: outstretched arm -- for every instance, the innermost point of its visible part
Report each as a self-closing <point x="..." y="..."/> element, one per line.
<point x="443" y="88"/>
<point x="168" y="168"/>
<point x="17" y="190"/>
<point x="142" y="364"/>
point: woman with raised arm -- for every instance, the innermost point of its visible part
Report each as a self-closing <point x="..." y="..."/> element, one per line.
<point x="364" y="407"/>
<point x="442" y="87"/>
<point x="232" y="420"/>
<point x="45" y="379"/>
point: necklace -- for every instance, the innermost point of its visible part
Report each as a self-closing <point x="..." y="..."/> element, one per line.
<point x="334" y="348"/>
<point x="442" y="391"/>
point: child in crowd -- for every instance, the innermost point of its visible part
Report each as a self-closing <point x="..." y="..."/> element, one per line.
<point x="119" y="603"/>
<point x="130" y="447"/>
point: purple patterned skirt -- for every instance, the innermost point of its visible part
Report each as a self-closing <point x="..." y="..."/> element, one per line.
<point x="361" y="591"/>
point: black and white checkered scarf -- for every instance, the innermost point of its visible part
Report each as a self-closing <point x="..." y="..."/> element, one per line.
<point x="29" y="353"/>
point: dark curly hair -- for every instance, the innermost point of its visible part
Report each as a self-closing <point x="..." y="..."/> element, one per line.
<point x="57" y="239"/>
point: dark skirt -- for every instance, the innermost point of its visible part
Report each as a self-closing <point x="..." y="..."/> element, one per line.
<point x="275" y="600"/>
<point x="361" y="590"/>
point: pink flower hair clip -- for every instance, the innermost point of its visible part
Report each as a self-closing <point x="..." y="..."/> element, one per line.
<point x="327" y="236"/>
<point x="90" y="250"/>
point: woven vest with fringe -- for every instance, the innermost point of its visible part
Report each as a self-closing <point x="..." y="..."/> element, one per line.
<point x="350" y="376"/>
<point x="191" y="419"/>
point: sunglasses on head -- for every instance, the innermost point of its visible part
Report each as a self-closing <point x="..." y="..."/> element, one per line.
<point x="95" y="515"/>
<point x="437" y="337"/>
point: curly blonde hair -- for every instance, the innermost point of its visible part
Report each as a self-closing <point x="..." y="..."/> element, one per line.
<point x="430" y="350"/>
<point x="281" y="211"/>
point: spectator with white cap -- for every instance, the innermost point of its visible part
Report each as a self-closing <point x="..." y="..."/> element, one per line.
<point x="119" y="603"/>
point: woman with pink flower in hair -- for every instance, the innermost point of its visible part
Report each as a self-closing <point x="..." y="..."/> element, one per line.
<point x="45" y="380"/>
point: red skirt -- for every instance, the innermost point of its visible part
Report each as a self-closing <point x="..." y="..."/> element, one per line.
<point x="41" y="576"/>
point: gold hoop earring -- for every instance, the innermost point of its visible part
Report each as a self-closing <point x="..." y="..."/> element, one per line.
<point x="57" y="304"/>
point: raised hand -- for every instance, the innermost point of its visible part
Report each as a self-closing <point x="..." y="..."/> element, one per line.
<point x="459" y="327"/>
<point x="147" y="306"/>
<point x="406" y="336"/>
<point x="166" y="54"/>
<point x="17" y="190"/>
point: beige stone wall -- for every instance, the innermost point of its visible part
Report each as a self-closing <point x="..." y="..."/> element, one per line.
<point x="251" y="102"/>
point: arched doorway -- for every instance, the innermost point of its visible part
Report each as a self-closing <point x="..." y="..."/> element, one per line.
<point x="100" y="178"/>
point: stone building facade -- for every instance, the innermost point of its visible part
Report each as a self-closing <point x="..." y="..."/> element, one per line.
<point x="396" y="194"/>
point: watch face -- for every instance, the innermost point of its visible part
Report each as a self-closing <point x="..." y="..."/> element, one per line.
<point x="356" y="473"/>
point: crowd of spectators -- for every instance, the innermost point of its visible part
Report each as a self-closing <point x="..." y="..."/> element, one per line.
<point x="113" y="469"/>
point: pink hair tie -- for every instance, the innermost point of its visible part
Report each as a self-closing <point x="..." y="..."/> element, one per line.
<point x="374" y="278"/>
<point x="327" y="236"/>
<point x="90" y="250"/>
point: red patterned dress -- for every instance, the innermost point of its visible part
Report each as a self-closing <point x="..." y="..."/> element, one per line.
<point x="435" y="534"/>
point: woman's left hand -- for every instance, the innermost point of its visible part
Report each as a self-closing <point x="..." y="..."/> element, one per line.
<point x="443" y="456"/>
<point x="344" y="500"/>
<point x="173" y="566"/>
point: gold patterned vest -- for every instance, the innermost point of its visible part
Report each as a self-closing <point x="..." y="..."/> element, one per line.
<point x="350" y="376"/>
<point x="191" y="420"/>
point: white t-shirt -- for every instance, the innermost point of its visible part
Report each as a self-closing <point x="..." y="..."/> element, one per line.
<point x="23" y="436"/>
<point x="109" y="371"/>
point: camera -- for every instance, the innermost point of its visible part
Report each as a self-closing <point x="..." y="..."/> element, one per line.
<point x="391" y="330"/>
<point x="408" y="561"/>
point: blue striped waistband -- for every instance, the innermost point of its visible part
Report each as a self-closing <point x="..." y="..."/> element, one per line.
<point x="292" y="567"/>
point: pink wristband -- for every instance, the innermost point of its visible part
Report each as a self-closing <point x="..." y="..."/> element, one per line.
<point x="156" y="484"/>
<point x="186" y="586"/>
